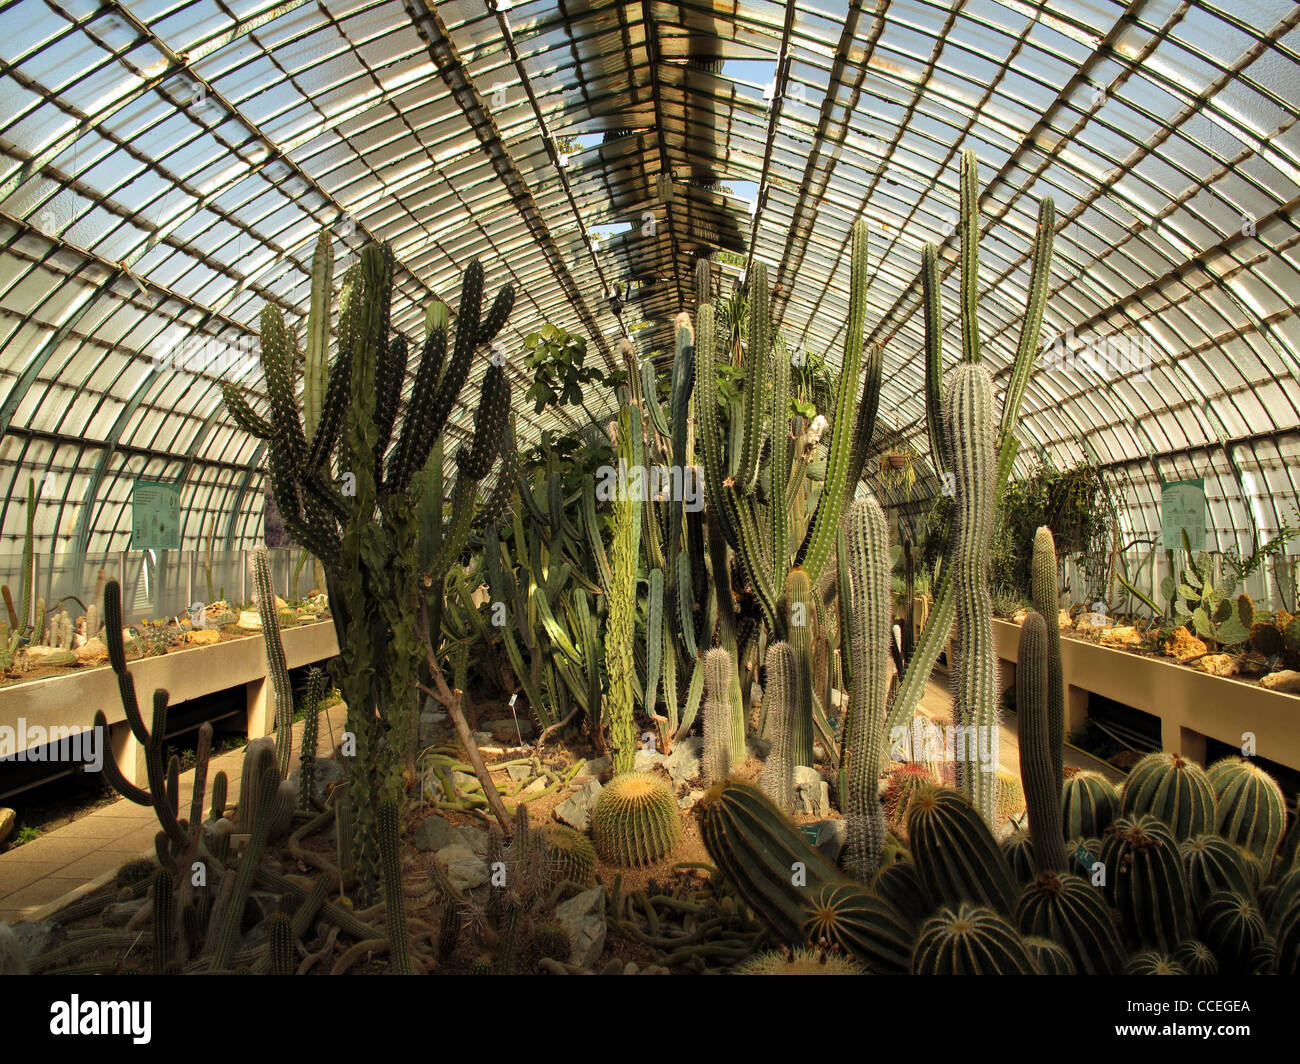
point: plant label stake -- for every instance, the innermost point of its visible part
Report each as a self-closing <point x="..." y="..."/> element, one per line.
<point x="516" y="719"/>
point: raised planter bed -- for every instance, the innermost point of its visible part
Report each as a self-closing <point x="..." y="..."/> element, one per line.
<point x="69" y="701"/>
<point x="1191" y="705"/>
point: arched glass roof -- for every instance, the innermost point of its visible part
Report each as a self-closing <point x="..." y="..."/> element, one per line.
<point x="167" y="165"/>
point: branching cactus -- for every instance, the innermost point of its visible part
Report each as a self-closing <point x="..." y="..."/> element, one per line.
<point x="864" y="745"/>
<point x="971" y="430"/>
<point x="778" y="774"/>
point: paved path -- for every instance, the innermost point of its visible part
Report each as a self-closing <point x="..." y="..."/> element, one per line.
<point x="43" y="875"/>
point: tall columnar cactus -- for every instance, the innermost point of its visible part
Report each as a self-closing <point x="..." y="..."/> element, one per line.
<point x="1251" y="811"/>
<point x="1046" y="601"/>
<point x="777" y="782"/>
<point x="277" y="670"/>
<point x="864" y="737"/>
<point x="1037" y="756"/>
<point x="800" y="614"/>
<point x="386" y="821"/>
<point x="719" y="675"/>
<point x="621" y="622"/>
<point x="716" y="760"/>
<point x="310" y="725"/>
<point x="1176" y="790"/>
<point x="971" y="429"/>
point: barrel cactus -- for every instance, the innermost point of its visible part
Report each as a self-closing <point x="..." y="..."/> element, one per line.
<point x="1089" y="803"/>
<point x="956" y="856"/>
<point x="1251" y="810"/>
<point x="970" y="940"/>
<point x="1176" y="790"/>
<point x="1196" y="958"/>
<point x="1072" y="913"/>
<point x="1234" y="929"/>
<point x="635" y="820"/>
<point x="901" y="784"/>
<point x="570" y="855"/>
<point x="1153" y="962"/>
<point x="1145" y="881"/>
<point x="798" y="962"/>
<point x="1213" y="864"/>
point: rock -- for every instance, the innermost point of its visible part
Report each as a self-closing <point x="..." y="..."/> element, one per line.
<point x="36" y="937"/>
<point x="1287" y="680"/>
<point x="684" y="762"/>
<point x="687" y="801"/>
<point x="1217" y="664"/>
<point x="92" y="651"/>
<point x="812" y="794"/>
<point x="1183" y="645"/>
<point x="756" y="747"/>
<point x="1019" y="616"/>
<point x="463" y="782"/>
<point x="630" y="968"/>
<point x="831" y="835"/>
<point x="575" y="810"/>
<point x="432" y="724"/>
<point x="519" y="773"/>
<point x="202" y="637"/>
<point x="326" y="773"/>
<point x="464" y="867"/>
<point x="583" y="916"/>
<point x="537" y="786"/>
<point x="119" y="913"/>
<point x="8" y="821"/>
<point x="474" y="837"/>
<point x="436" y="833"/>
<point x="597" y="766"/>
<point x="483" y="738"/>
<point x="646" y="760"/>
<point x="506" y="731"/>
<point x="1064" y="620"/>
<point x="1123" y="636"/>
<point x="249" y="619"/>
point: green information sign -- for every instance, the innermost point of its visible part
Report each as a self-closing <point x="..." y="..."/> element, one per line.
<point x="155" y="516"/>
<point x="1182" y="509"/>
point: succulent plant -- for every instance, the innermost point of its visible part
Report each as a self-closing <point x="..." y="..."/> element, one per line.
<point x="1153" y="962"/>
<point x="1072" y="913"/>
<point x="1048" y="957"/>
<point x="1196" y="958"/>
<point x="1213" y="864"/>
<point x="1089" y="803"/>
<point x="1175" y="790"/>
<point x="1145" y="881"/>
<point x="571" y="856"/>
<point x="800" y="961"/>
<point x="901" y="784"/>
<point x="778" y="773"/>
<point x="970" y="940"/>
<point x="1234" y="929"/>
<point x="635" y="820"/>
<point x="1250" y="808"/>
<point x="956" y="856"/>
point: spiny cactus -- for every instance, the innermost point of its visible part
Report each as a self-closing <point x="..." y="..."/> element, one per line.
<point x="1049" y="958"/>
<point x="970" y="940"/>
<point x="1073" y="914"/>
<point x="1233" y="928"/>
<point x="1196" y="958"/>
<point x="1250" y="808"/>
<point x="635" y="820"/>
<point x="1089" y="803"/>
<point x="718" y="672"/>
<point x="800" y="614"/>
<point x="778" y="773"/>
<point x="1145" y="881"/>
<point x="551" y="939"/>
<point x="1038" y="756"/>
<point x="386" y="820"/>
<point x="864" y="738"/>
<point x="280" y="933"/>
<point x="276" y="669"/>
<point x="955" y="854"/>
<point x="1018" y="852"/>
<point x="620" y="625"/>
<point x="899" y="788"/>
<point x="1213" y="864"/>
<point x="1010" y="795"/>
<point x="1173" y="789"/>
<point x="1046" y="600"/>
<point x="801" y="961"/>
<point x="971" y="428"/>
<point x="570" y="855"/>
<point x="310" y="723"/>
<point x="851" y="919"/>
<point x="162" y="920"/>
<point x="1153" y="962"/>
<point x="900" y="886"/>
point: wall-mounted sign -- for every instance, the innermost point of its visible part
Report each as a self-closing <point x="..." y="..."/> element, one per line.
<point x="1182" y="509"/>
<point x="155" y="516"/>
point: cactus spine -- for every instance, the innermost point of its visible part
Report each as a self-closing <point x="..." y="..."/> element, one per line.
<point x="864" y="742"/>
<point x="970" y="425"/>
<point x="1038" y="756"/>
<point x="635" y="820"/>
<point x="778" y="774"/>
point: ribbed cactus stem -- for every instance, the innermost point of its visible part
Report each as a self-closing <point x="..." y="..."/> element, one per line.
<point x="1037" y="757"/>
<point x="1046" y="601"/>
<point x="971" y="426"/>
<point x="719" y="674"/>
<point x="778" y="774"/>
<point x="276" y="669"/>
<point x="162" y="919"/>
<point x="716" y="759"/>
<point x="620" y="625"/>
<point x="864" y="746"/>
<point x="799" y="609"/>
<point x="310" y="727"/>
<point x="387" y="823"/>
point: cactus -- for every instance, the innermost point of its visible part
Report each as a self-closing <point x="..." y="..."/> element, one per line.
<point x="1018" y="852"/>
<point x="280" y="934"/>
<point x="1046" y="600"/>
<point x="162" y="920"/>
<point x="310" y="726"/>
<point x="92" y="621"/>
<point x="900" y="886"/>
<point x="799" y="610"/>
<point x="848" y="918"/>
<point x="1067" y="910"/>
<point x="717" y="759"/>
<point x="219" y="785"/>
<point x="955" y="854"/>
<point x="1153" y="962"/>
<point x="1145" y="881"/>
<point x="1213" y="864"/>
<point x="551" y="939"/>
<point x="1267" y="639"/>
<point x="1039" y="753"/>
<point x="276" y="669"/>
<point x="971" y="429"/>
<point x="449" y="929"/>
<point x="571" y="856"/>
<point x="621" y="623"/>
<point x="1049" y="958"/>
<point x="226" y="930"/>
<point x="635" y="820"/>
<point x="1233" y="928"/>
<point x="899" y="788"/>
<point x="801" y="961"/>
<point x="482" y="965"/>
<point x="1288" y="942"/>
<point x="1250" y="808"/>
<point x="970" y="940"/>
<point x="1196" y="958"/>
<point x="777" y="782"/>
<point x="386" y="820"/>
<point x="1089" y="803"/>
<point x="1173" y="789"/>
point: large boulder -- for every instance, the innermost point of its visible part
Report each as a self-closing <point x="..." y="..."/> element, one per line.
<point x="583" y="916"/>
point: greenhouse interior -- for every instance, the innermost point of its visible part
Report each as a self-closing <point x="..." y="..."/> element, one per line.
<point x="650" y="488"/>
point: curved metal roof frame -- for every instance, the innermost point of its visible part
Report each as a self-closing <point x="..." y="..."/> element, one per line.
<point x="165" y="166"/>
